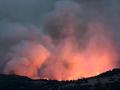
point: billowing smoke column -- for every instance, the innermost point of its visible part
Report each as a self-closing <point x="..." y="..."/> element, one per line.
<point x="67" y="46"/>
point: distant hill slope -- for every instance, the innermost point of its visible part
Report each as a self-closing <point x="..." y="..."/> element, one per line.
<point x="109" y="80"/>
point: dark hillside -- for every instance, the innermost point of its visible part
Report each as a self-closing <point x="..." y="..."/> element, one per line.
<point x="109" y="80"/>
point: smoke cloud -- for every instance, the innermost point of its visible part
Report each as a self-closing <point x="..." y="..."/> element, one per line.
<point x="57" y="39"/>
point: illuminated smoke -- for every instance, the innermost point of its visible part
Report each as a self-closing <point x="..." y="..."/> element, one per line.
<point x="67" y="46"/>
<point x="26" y="58"/>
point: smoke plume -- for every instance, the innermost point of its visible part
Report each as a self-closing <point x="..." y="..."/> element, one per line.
<point x="66" y="40"/>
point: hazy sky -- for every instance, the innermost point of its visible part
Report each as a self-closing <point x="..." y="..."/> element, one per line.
<point x="33" y="11"/>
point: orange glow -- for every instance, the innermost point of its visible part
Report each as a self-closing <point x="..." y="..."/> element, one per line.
<point x="73" y="63"/>
<point x="65" y="60"/>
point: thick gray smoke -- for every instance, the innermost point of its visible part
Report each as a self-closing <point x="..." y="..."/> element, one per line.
<point x="59" y="39"/>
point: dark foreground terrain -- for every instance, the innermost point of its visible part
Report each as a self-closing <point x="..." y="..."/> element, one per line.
<point x="106" y="81"/>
